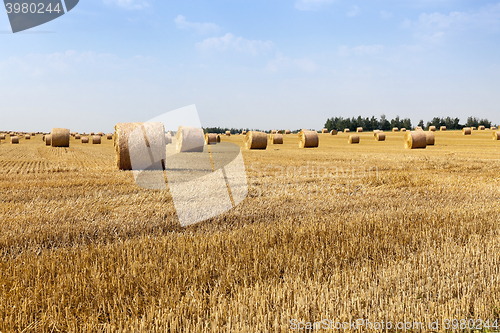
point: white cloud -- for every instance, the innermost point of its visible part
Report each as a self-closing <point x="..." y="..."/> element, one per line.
<point x="312" y="4"/>
<point x="354" y="11"/>
<point x="201" y="28"/>
<point x="345" y="50"/>
<point x="129" y="4"/>
<point x="385" y="15"/>
<point x="282" y="62"/>
<point x="231" y="42"/>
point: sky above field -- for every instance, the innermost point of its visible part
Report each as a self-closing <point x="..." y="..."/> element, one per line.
<point x="257" y="64"/>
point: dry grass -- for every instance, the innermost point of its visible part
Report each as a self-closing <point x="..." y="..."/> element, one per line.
<point x="322" y="235"/>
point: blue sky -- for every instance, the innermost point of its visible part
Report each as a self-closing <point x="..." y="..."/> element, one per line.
<point x="257" y="64"/>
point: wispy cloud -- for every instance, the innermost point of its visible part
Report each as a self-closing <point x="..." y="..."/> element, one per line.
<point x="201" y="28"/>
<point x="312" y="4"/>
<point x="354" y="11"/>
<point x="231" y="42"/>
<point x="128" y="4"/>
<point x="282" y="62"/>
<point x="345" y="50"/>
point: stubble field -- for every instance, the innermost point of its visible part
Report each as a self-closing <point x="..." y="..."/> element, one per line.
<point x="342" y="232"/>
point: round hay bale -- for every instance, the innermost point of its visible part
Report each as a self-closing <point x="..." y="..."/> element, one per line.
<point x="375" y="132"/>
<point x="218" y="138"/>
<point x="274" y="131"/>
<point x="287" y="131"/>
<point x="395" y="129"/>
<point x="430" y="139"/>
<point x="243" y="132"/>
<point x="85" y="139"/>
<point x="190" y="139"/>
<point x="380" y="136"/>
<point x="359" y="130"/>
<point x="442" y="128"/>
<point x="467" y="131"/>
<point x="353" y="139"/>
<point x="100" y="133"/>
<point x="432" y="128"/>
<point x="333" y="132"/>
<point x="210" y="138"/>
<point x="109" y="136"/>
<point x="496" y="135"/>
<point x="493" y="128"/>
<point x="481" y="128"/>
<point x="280" y="132"/>
<point x="92" y="133"/>
<point x="48" y="140"/>
<point x="33" y="134"/>
<point x="2" y="136"/>
<point x="168" y="138"/>
<point x="228" y="133"/>
<point x="60" y="137"/>
<point x="123" y="146"/>
<point x="403" y="129"/>
<point x="324" y="130"/>
<point x="276" y="139"/>
<point x="77" y="136"/>
<point x="255" y="140"/>
<point x="308" y="139"/>
<point x="96" y="139"/>
<point x="346" y="130"/>
<point x="474" y="128"/>
<point x="14" y="139"/>
<point x="415" y="140"/>
<point x="27" y="137"/>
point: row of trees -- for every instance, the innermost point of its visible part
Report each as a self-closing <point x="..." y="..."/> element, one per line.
<point x="368" y="124"/>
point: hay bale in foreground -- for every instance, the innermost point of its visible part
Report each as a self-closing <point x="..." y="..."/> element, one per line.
<point x="430" y="138"/>
<point x="496" y="135"/>
<point x="85" y="139"/>
<point x="379" y="136"/>
<point x="27" y="137"/>
<point x="255" y="140"/>
<point x="432" y="128"/>
<point x="96" y="139"/>
<point x="353" y="139"/>
<point x="210" y="138"/>
<point x="276" y="139"/>
<point x="333" y="132"/>
<point x="287" y="131"/>
<point x="346" y="130"/>
<point x="359" y="130"/>
<point x="60" y="137"/>
<point x="442" y="128"/>
<point x="415" y="140"/>
<point x="308" y="139"/>
<point x="48" y="140"/>
<point x="467" y="131"/>
<point x="324" y="130"/>
<point x="190" y="140"/>
<point x="14" y="139"/>
<point x="395" y="129"/>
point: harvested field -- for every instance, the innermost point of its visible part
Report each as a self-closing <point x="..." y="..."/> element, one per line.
<point x="342" y="231"/>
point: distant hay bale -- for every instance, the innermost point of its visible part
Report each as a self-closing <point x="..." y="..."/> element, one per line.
<point x="308" y="139"/>
<point x="100" y="133"/>
<point x="2" y="136"/>
<point x="27" y="137"/>
<point x="353" y="139"/>
<point x="96" y="139"/>
<point x="276" y="139"/>
<point x="243" y="132"/>
<point x="85" y="139"/>
<point x="155" y="132"/>
<point x="33" y="134"/>
<point x="442" y="128"/>
<point x="395" y="129"/>
<point x="493" y="128"/>
<point x="481" y="128"/>
<point x="496" y="135"/>
<point x="415" y="140"/>
<point x="467" y="131"/>
<point x="432" y="128"/>
<point x="255" y="140"/>
<point x="280" y="132"/>
<point x="474" y="128"/>
<point x="430" y="138"/>
<point x="109" y="136"/>
<point x="77" y="136"/>
<point x="190" y="140"/>
<point x="210" y="138"/>
<point x="168" y="138"/>
<point x="274" y="131"/>
<point x="359" y="130"/>
<point x="60" y="137"/>
<point x="14" y="139"/>
<point x="418" y="128"/>
<point x="376" y="131"/>
<point x="380" y="136"/>
<point x="403" y="129"/>
<point x="228" y="133"/>
<point x="48" y="140"/>
<point x="324" y="130"/>
<point x="346" y="130"/>
<point x="333" y="132"/>
<point x="287" y="131"/>
<point x="92" y="133"/>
